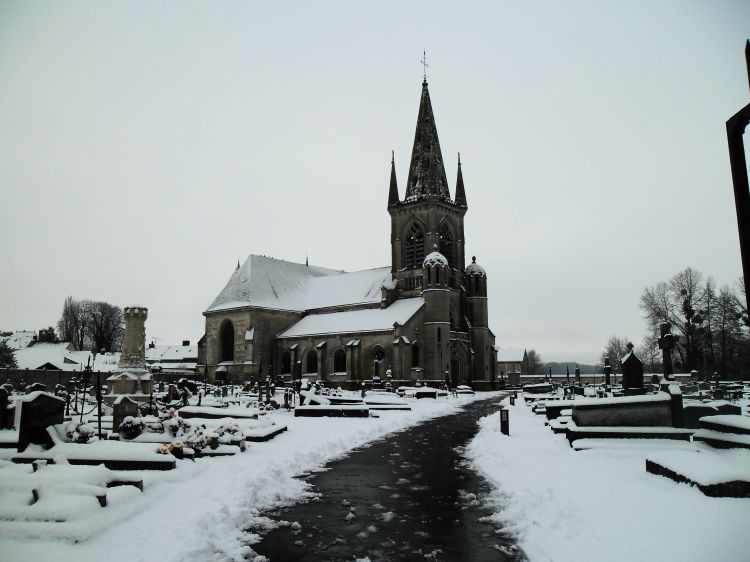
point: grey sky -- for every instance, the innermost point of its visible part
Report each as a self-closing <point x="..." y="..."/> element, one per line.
<point x="146" y="147"/>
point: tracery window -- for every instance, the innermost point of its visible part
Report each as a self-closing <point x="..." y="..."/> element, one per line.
<point x="446" y="244"/>
<point x="414" y="247"/>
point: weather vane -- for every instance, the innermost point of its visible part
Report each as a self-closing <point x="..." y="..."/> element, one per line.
<point x="424" y="63"/>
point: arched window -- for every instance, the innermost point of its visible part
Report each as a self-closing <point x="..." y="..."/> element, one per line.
<point x="311" y="362"/>
<point x="226" y="341"/>
<point x="339" y="361"/>
<point x="446" y="244"/>
<point x="286" y="363"/>
<point x="416" y="360"/>
<point x="377" y="353"/>
<point x="414" y="247"/>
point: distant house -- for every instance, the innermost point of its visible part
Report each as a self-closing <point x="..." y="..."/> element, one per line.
<point x="19" y="339"/>
<point x="178" y="359"/>
<point x="512" y="359"/>
<point x="62" y="357"/>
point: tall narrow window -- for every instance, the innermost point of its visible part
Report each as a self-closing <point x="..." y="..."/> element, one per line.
<point x="226" y="341"/>
<point x="311" y="362"/>
<point x="446" y="244"/>
<point x="286" y="363"/>
<point x="416" y="360"/>
<point x="414" y="247"/>
<point x="339" y="361"/>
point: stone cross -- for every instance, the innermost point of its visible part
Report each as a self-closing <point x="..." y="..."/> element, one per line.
<point x="666" y="343"/>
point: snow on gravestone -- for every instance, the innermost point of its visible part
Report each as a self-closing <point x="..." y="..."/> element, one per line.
<point x="123" y="407"/>
<point x="34" y="413"/>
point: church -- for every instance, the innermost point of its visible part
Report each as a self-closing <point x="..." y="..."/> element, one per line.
<point x="424" y="318"/>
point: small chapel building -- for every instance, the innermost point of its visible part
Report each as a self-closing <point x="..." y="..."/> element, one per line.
<point x="424" y="317"/>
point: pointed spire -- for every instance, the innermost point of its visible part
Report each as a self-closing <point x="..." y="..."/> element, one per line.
<point x="426" y="171"/>
<point x="460" y="192"/>
<point x="238" y="264"/>
<point x="393" y="192"/>
<point x="747" y="59"/>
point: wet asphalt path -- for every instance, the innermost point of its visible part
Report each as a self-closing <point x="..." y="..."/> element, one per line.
<point x="409" y="496"/>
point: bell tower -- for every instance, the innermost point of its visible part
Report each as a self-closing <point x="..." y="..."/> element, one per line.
<point x="427" y="217"/>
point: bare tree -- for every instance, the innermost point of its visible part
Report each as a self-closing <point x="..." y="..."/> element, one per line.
<point x="105" y="325"/>
<point x="615" y="349"/>
<point x="648" y="353"/>
<point x="536" y="365"/>
<point x="678" y="302"/>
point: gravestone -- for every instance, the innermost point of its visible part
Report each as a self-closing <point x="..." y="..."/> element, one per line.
<point x="36" y="387"/>
<point x="171" y="393"/>
<point x="6" y="414"/>
<point x="34" y="413"/>
<point x="578" y="374"/>
<point x="666" y="343"/>
<point x="123" y="407"/>
<point x="161" y="386"/>
<point x="632" y="373"/>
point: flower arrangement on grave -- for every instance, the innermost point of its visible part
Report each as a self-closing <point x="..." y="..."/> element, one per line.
<point x="197" y="439"/>
<point x="79" y="432"/>
<point x="176" y="426"/>
<point x="131" y="427"/>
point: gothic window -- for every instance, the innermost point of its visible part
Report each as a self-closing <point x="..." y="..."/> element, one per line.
<point x="414" y="247"/>
<point x="416" y="360"/>
<point x="339" y="361"/>
<point x="446" y="244"/>
<point x="377" y="353"/>
<point x="226" y="341"/>
<point x="286" y="363"/>
<point x="311" y="362"/>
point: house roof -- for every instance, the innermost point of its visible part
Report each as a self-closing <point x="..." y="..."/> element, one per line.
<point x="19" y="339"/>
<point x="271" y="283"/>
<point x="171" y="353"/>
<point x="510" y="355"/>
<point x="57" y="355"/>
<point x="365" y="320"/>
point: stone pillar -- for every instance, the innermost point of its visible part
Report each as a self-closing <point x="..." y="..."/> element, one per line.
<point x="134" y="341"/>
<point x="607" y="372"/>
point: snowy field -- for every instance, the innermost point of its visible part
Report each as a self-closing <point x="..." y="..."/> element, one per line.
<point x="200" y="510"/>
<point x="580" y="506"/>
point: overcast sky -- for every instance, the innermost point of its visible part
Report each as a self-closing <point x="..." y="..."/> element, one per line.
<point x="146" y="147"/>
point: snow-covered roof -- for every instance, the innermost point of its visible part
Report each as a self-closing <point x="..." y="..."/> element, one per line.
<point x="171" y="353"/>
<point x="57" y="354"/>
<point x="474" y="268"/>
<point x="19" y="339"/>
<point x="510" y="355"/>
<point x="364" y="320"/>
<point x="270" y="283"/>
<point x="435" y="258"/>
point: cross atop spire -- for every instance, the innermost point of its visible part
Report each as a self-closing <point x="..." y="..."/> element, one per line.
<point x="424" y="66"/>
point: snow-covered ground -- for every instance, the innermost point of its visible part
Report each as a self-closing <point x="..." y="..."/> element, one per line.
<point x="200" y="511"/>
<point x="564" y="505"/>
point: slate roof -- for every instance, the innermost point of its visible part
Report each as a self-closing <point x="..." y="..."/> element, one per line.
<point x="277" y="284"/>
<point x="350" y="321"/>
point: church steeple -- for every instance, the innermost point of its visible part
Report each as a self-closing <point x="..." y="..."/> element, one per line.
<point x="426" y="172"/>
<point x="393" y="192"/>
<point x="460" y="193"/>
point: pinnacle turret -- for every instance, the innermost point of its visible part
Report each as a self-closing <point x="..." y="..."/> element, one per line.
<point x="460" y="192"/>
<point x="393" y="191"/>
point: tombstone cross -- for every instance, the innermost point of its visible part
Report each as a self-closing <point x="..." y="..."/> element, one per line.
<point x="666" y="342"/>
